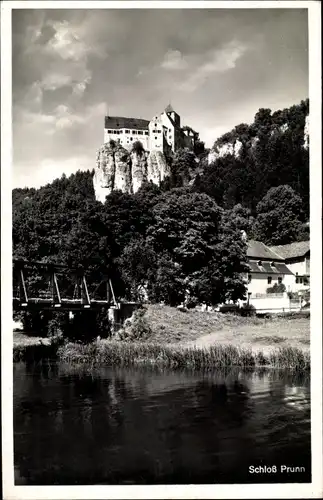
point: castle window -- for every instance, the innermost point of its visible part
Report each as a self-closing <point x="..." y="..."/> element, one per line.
<point x="155" y="124"/>
<point x="131" y="138"/>
<point x="155" y="138"/>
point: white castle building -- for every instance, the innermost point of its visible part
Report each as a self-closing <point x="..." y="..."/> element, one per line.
<point x="163" y="133"/>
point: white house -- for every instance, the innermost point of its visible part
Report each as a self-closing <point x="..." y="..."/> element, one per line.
<point x="266" y="268"/>
<point x="163" y="133"/>
<point x="297" y="258"/>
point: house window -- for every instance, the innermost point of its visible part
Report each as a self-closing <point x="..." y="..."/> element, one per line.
<point x="127" y="131"/>
<point x="305" y="280"/>
<point x="134" y="131"/>
<point x="155" y="124"/>
<point x="249" y="278"/>
<point x="146" y="133"/>
<point x="269" y="280"/>
<point x="140" y="132"/>
<point x="155" y="138"/>
<point x="280" y="280"/>
<point x="131" y="138"/>
<point x="109" y="131"/>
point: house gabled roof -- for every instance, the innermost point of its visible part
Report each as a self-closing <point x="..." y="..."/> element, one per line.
<point x="292" y="250"/>
<point x="117" y="122"/>
<point x="267" y="268"/>
<point x="258" y="250"/>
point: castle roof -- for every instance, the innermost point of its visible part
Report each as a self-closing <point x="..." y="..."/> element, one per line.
<point x="117" y="122"/>
<point x="169" y="109"/>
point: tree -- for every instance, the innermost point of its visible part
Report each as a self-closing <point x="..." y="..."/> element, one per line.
<point x="271" y="153"/>
<point x="241" y="219"/>
<point x="184" y="166"/>
<point x="197" y="254"/>
<point x="138" y="267"/>
<point x="280" y="216"/>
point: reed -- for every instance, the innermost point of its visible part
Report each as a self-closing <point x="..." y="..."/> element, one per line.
<point x="120" y="353"/>
<point x="34" y="352"/>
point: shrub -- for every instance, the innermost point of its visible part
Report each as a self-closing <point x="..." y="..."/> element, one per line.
<point x="136" y="328"/>
<point x="277" y="288"/>
<point x="137" y="147"/>
<point x="247" y="310"/>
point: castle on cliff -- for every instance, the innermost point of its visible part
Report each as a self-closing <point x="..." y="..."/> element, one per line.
<point x="120" y="166"/>
<point x="163" y="133"/>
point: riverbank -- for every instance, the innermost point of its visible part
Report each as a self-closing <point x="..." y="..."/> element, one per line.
<point x="170" y="338"/>
<point x="33" y="349"/>
<point x="125" y="354"/>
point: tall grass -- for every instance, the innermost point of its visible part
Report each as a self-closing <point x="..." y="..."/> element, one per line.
<point x="219" y="356"/>
<point x="34" y="352"/>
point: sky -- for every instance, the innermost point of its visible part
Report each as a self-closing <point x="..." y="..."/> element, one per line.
<point x="216" y="67"/>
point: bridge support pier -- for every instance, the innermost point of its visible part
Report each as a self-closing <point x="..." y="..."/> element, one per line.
<point x="117" y="316"/>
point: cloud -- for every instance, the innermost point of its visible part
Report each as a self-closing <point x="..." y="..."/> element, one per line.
<point x="70" y="42"/>
<point x="192" y="71"/>
<point x="174" y="60"/>
<point x="217" y="61"/>
<point x="60" y="53"/>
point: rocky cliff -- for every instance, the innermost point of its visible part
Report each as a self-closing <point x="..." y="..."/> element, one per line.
<point x="118" y="169"/>
<point x="234" y="145"/>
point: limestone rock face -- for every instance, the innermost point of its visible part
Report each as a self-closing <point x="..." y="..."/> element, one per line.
<point x="230" y="148"/>
<point x="104" y="172"/>
<point x="158" y="169"/>
<point x="120" y="169"/>
<point x="138" y="169"/>
<point x="122" y="179"/>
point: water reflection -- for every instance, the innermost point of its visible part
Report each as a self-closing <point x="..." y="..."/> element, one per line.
<point x="113" y="426"/>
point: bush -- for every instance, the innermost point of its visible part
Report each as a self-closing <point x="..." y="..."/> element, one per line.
<point x="137" y="147"/>
<point x="247" y="310"/>
<point x="277" y="288"/>
<point x="136" y="328"/>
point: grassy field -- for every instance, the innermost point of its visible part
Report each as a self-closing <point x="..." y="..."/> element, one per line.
<point x="204" y="329"/>
<point x="168" y="337"/>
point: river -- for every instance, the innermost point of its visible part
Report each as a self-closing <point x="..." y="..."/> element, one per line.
<point x="73" y="425"/>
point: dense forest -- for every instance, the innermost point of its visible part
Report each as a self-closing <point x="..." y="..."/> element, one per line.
<point x="272" y="153"/>
<point x="180" y="240"/>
